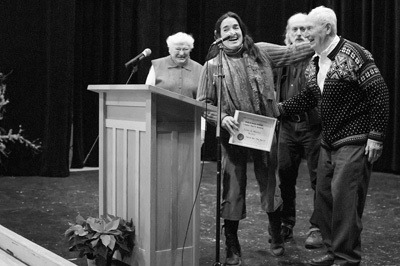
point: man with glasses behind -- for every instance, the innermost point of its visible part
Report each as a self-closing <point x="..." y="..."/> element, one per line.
<point x="299" y="136"/>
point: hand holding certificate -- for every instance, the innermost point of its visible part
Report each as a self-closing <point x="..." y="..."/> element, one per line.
<point x="255" y="131"/>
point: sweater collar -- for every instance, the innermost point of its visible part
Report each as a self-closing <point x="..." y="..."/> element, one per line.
<point x="172" y="64"/>
<point x="333" y="51"/>
<point x="330" y="47"/>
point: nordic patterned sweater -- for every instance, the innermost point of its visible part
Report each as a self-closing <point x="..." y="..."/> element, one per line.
<point x="354" y="104"/>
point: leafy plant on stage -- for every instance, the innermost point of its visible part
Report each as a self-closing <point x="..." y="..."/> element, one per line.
<point x="8" y="136"/>
<point x="101" y="237"/>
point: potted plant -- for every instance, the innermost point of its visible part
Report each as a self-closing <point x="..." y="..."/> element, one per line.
<point x="99" y="238"/>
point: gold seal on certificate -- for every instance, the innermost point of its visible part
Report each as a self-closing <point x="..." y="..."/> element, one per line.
<point x="255" y="131"/>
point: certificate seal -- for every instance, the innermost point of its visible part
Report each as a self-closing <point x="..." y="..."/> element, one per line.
<point x="240" y="136"/>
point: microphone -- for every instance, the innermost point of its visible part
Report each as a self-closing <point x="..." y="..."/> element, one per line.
<point x="146" y="52"/>
<point x="220" y="40"/>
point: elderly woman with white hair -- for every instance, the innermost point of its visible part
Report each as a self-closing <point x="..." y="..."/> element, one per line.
<point x="176" y="72"/>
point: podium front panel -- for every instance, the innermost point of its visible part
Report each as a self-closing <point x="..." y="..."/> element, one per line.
<point x="150" y="170"/>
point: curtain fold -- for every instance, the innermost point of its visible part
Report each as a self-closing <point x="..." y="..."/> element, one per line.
<point x="59" y="83"/>
<point x="105" y="33"/>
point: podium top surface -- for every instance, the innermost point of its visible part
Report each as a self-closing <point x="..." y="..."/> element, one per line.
<point x="103" y="88"/>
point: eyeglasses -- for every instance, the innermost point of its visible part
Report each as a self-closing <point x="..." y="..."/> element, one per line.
<point x="178" y="49"/>
<point x="295" y="29"/>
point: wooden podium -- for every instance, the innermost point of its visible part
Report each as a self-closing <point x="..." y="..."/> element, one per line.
<point x="149" y="169"/>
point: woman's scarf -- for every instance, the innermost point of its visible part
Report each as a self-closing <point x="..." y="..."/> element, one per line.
<point x="258" y="76"/>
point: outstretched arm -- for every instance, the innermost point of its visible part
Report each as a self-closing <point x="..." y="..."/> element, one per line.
<point x="281" y="55"/>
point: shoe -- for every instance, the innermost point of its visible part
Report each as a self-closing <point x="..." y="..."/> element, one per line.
<point x="233" y="250"/>
<point x="326" y="260"/>
<point x="314" y="239"/>
<point x="277" y="249"/>
<point x="287" y="232"/>
<point x="275" y="228"/>
<point x="233" y="256"/>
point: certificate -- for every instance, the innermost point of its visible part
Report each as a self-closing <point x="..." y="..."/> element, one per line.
<point x="255" y="131"/>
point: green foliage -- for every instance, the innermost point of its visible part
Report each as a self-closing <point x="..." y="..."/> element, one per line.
<point x="102" y="236"/>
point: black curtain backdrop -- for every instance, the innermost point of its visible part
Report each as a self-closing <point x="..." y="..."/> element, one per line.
<point x="56" y="48"/>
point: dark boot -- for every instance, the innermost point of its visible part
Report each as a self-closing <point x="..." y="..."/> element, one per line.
<point x="274" y="228"/>
<point x="287" y="231"/>
<point x="233" y="252"/>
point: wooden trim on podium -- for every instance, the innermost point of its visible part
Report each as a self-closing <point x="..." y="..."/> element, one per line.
<point x="142" y="87"/>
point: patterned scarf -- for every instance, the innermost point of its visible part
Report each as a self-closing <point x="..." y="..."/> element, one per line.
<point x="259" y="77"/>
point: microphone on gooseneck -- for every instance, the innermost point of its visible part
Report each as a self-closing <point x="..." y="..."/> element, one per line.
<point x="139" y="57"/>
<point x="220" y="40"/>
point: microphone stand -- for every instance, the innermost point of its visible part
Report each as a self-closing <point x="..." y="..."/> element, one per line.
<point x="134" y="70"/>
<point x="218" y="136"/>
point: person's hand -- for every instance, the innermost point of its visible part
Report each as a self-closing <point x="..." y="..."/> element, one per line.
<point x="203" y="127"/>
<point x="373" y="150"/>
<point x="210" y="117"/>
<point x="230" y="124"/>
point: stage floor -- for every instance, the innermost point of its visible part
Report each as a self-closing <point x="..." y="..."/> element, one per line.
<point x="39" y="208"/>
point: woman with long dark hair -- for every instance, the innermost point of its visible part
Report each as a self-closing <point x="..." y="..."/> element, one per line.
<point x="248" y="86"/>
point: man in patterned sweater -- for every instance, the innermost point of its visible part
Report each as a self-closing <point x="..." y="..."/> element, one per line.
<point x="343" y="81"/>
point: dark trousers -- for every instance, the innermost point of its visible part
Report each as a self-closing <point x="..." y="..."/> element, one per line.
<point x="234" y="172"/>
<point x="296" y="140"/>
<point x="342" y="183"/>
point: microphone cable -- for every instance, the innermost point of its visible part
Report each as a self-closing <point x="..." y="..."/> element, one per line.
<point x="201" y="178"/>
